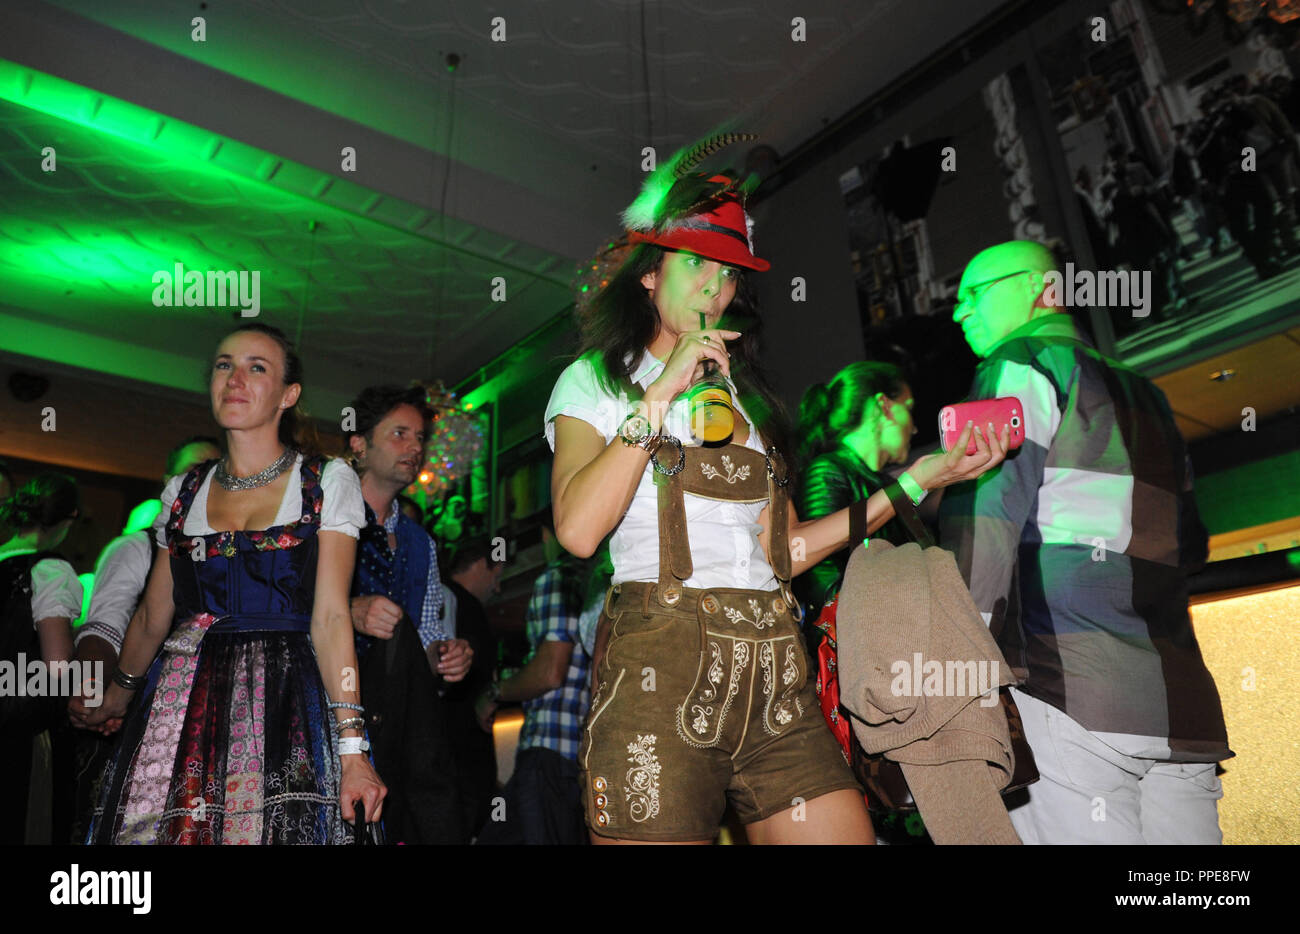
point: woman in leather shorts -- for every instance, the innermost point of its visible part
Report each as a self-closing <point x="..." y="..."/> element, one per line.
<point x="702" y="691"/>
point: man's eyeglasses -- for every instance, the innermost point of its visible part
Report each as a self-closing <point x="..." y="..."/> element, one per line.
<point x="973" y="293"/>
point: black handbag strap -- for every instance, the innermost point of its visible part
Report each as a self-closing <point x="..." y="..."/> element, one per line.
<point x="906" y="514"/>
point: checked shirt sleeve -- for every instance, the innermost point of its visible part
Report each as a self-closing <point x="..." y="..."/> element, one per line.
<point x="430" y="628"/>
<point x="983" y="521"/>
<point x="552" y="616"/>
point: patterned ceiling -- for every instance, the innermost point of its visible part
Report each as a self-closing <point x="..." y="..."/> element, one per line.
<point x="79" y="248"/>
<point x="569" y="74"/>
<point x="222" y="154"/>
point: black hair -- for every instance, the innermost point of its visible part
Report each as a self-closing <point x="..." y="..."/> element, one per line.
<point x="829" y="411"/>
<point x="42" y="502"/>
<point x="296" y="430"/>
<point x="6" y="473"/>
<point x="374" y="403"/>
<point x="469" y="550"/>
<point x="174" y="455"/>
<point x="622" y="320"/>
<point x="404" y="500"/>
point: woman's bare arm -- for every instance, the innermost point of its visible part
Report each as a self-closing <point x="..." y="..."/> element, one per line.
<point x="815" y="539"/>
<point x="152" y="619"/>
<point x="145" y="633"/>
<point x="592" y="484"/>
<point x="336" y="656"/>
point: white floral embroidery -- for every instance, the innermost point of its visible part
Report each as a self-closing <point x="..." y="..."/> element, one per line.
<point x="791" y="667"/>
<point x="779" y="711"/>
<point x="642" y="788"/>
<point x="765" y="660"/>
<point x="740" y="658"/>
<point x="732" y="475"/>
<point x="699" y="705"/>
<point x="763" y="619"/>
<point x="715" y="674"/>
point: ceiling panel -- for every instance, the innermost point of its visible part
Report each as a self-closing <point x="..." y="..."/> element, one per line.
<point x="355" y="282"/>
<point x="1266" y="377"/>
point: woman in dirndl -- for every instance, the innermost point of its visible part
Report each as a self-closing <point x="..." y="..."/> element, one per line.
<point x="702" y="691"/>
<point x="247" y="724"/>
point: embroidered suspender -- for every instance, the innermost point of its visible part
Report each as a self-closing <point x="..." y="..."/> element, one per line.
<point x="730" y="474"/>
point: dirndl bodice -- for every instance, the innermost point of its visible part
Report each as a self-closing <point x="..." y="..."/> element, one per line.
<point x="231" y="740"/>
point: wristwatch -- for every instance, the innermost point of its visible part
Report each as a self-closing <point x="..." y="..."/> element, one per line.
<point x="636" y="432"/>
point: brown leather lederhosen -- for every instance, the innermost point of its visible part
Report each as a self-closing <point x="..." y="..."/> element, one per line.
<point x="731" y="473"/>
<point x="701" y="692"/>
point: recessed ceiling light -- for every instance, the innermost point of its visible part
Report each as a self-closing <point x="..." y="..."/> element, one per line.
<point x="1222" y="376"/>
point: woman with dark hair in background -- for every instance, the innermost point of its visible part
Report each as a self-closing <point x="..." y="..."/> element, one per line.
<point x="248" y="726"/>
<point x="40" y="596"/>
<point x="850" y="430"/>
<point x="701" y="616"/>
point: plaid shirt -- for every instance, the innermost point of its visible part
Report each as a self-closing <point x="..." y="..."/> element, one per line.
<point x="554" y="720"/>
<point x="1076" y="549"/>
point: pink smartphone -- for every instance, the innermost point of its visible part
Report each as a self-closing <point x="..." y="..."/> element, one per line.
<point x="1001" y="412"/>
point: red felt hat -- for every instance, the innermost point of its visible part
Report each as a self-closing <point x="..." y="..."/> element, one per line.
<point x="721" y="233"/>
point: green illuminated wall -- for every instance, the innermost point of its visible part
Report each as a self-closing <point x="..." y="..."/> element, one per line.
<point x="1266" y="490"/>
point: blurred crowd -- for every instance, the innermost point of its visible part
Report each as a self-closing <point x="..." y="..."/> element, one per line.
<point x="1233" y="173"/>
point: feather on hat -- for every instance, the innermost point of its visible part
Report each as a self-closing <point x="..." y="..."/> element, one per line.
<point x="682" y="210"/>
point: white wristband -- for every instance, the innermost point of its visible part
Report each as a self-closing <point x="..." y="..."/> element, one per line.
<point x="913" y="489"/>
<point x="352" y="745"/>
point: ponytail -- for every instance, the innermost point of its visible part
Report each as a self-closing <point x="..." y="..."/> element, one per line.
<point x="814" y="422"/>
<point x="828" y="412"/>
<point x="44" y="501"/>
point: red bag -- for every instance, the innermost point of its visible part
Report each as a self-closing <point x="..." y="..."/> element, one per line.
<point x="828" y="681"/>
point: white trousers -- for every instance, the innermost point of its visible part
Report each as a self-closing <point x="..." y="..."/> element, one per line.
<point x="1091" y="793"/>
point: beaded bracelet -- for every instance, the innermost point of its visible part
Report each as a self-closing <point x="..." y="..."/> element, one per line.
<point x="346" y="705"/>
<point x="351" y="723"/>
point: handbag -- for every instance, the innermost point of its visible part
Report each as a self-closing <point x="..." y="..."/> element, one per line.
<point x="882" y="777"/>
<point x="363" y="833"/>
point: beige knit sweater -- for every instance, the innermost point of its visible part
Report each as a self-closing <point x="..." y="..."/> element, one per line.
<point x="919" y="673"/>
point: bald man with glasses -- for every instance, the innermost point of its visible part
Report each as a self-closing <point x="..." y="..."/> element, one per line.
<point x="1076" y="551"/>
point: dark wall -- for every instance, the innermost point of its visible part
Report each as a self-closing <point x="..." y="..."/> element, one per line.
<point x="802" y="224"/>
<point x="803" y="231"/>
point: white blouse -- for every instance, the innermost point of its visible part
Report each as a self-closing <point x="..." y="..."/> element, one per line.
<point x="120" y="577"/>
<point x="342" y="507"/>
<point x="56" y="589"/>
<point x="725" y="550"/>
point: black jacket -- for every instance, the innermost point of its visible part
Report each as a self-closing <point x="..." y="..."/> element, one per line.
<point x="474" y="750"/>
<point x="24" y="716"/>
<point x="407" y="725"/>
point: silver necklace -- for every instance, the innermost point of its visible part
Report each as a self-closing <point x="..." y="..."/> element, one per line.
<point x="235" y="484"/>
